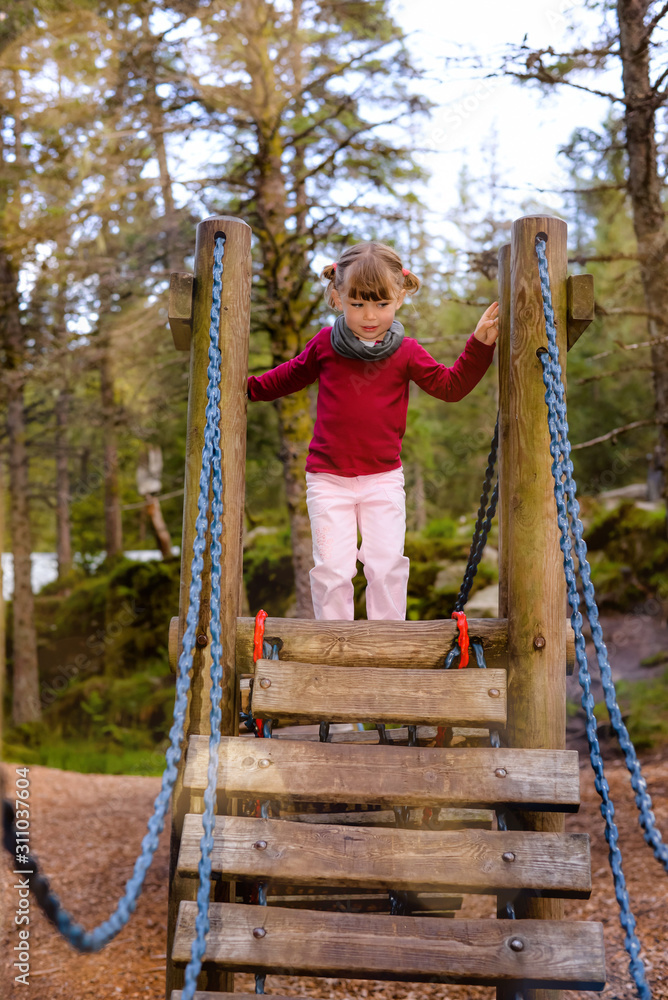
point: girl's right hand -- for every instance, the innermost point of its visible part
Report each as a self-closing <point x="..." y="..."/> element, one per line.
<point x="487" y="329"/>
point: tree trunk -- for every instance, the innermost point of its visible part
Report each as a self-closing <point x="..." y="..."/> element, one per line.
<point x="295" y="430"/>
<point x="25" y="699"/>
<point x="3" y="636"/>
<point x="63" y="535"/>
<point x="282" y="267"/>
<point x="113" y="527"/>
<point x="645" y="190"/>
<point x="419" y="499"/>
<point x="159" y="527"/>
<point x="25" y="704"/>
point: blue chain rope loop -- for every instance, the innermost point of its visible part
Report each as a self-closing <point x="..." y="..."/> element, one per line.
<point x="93" y="941"/>
<point x="567" y="504"/>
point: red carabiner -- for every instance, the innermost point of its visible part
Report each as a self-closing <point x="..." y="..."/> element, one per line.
<point x="463" y="626"/>
<point x="258" y="635"/>
<point x="258" y="639"/>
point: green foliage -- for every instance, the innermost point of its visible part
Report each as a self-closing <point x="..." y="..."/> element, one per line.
<point x="644" y="706"/>
<point x="441" y="527"/>
<point x="655" y="659"/>
<point x="628" y="553"/>
<point x="268" y="573"/>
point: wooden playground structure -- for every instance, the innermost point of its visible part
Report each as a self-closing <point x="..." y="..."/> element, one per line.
<point x="347" y="820"/>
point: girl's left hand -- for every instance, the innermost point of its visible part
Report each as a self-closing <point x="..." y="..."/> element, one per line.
<point x="487" y="329"/>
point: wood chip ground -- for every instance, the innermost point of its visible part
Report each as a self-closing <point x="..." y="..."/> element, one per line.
<point x="86" y="831"/>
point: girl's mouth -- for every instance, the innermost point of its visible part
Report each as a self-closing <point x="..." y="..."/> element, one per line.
<point x="369" y="329"/>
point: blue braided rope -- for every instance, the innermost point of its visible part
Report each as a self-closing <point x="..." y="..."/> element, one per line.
<point x="567" y="504"/>
<point x="95" y="940"/>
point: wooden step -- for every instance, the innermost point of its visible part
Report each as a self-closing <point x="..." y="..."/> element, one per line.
<point x="389" y="776"/>
<point x="314" y="692"/>
<point x="428" y="903"/>
<point x="426" y="735"/>
<point x="448" y="819"/>
<point x="484" y="861"/>
<point x="541" y="953"/>
<point x="404" y="644"/>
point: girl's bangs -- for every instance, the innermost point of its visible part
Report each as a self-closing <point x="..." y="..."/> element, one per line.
<point x="369" y="279"/>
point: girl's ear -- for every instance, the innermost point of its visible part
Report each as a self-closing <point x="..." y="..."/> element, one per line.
<point x="401" y="296"/>
<point x="336" y="300"/>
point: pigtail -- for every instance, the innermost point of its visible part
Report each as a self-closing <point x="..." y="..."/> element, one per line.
<point x="328" y="274"/>
<point x="411" y="282"/>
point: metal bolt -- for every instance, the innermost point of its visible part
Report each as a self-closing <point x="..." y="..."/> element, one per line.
<point x="202" y="639"/>
<point x="500" y="772"/>
<point x="494" y="693"/>
<point x="264" y="762"/>
<point x="259" y="932"/>
<point x="260" y="845"/>
<point x="516" y="944"/>
<point x="265" y="682"/>
<point x="508" y="856"/>
<point x="538" y="642"/>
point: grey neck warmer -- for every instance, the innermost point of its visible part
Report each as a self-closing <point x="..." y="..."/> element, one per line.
<point x="348" y="345"/>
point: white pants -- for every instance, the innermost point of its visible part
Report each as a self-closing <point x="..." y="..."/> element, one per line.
<point x="337" y="505"/>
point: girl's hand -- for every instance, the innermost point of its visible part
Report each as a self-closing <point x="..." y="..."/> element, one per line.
<point x="487" y="329"/>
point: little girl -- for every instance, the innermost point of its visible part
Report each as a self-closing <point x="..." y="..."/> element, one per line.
<point x="354" y="477"/>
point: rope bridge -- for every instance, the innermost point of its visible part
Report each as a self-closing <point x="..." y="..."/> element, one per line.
<point x="210" y="500"/>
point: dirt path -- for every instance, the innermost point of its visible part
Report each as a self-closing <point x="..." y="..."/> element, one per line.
<point x="86" y="831"/>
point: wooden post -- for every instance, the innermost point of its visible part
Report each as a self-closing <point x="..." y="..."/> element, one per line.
<point x="503" y="355"/>
<point x="536" y="591"/>
<point x="234" y="335"/>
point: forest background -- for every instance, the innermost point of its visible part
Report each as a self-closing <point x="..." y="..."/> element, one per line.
<point x="123" y="124"/>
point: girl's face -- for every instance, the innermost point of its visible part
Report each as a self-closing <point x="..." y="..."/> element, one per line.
<point x="368" y="320"/>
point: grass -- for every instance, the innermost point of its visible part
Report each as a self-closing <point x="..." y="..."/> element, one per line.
<point x="87" y="757"/>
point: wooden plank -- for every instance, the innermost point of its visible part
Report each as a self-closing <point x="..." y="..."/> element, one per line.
<point x="368" y="902"/>
<point x="448" y="819"/>
<point x="390" y="776"/>
<point x="461" y="735"/>
<point x="404" y="644"/>
<point x="378" y="858"/>
<point x="472" y="952"/>
<point x="313" y="692"/>
<point x="308" y="734"/>
<point x="206" y="995"/>
<point x="581" y="305"/>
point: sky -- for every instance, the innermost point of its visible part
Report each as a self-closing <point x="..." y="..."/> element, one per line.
<point x="471" y="109"/>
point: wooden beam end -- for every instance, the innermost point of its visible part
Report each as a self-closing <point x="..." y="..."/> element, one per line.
<point x="580" y="294"/>
<point x="180" y="311"/>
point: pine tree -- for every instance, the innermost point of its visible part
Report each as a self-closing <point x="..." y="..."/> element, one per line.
<point x="308" y="166"/>
<point x="630" y="37"/>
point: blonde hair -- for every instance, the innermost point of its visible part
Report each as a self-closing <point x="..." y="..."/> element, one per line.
<point x="370" y="271"/>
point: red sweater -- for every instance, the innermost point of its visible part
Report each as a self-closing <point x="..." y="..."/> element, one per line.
<point x="362" y="405"/>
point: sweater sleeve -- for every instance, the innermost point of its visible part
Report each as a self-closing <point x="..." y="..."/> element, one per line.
<point x="451" y="384"/>
<point x="291" y="376"/>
